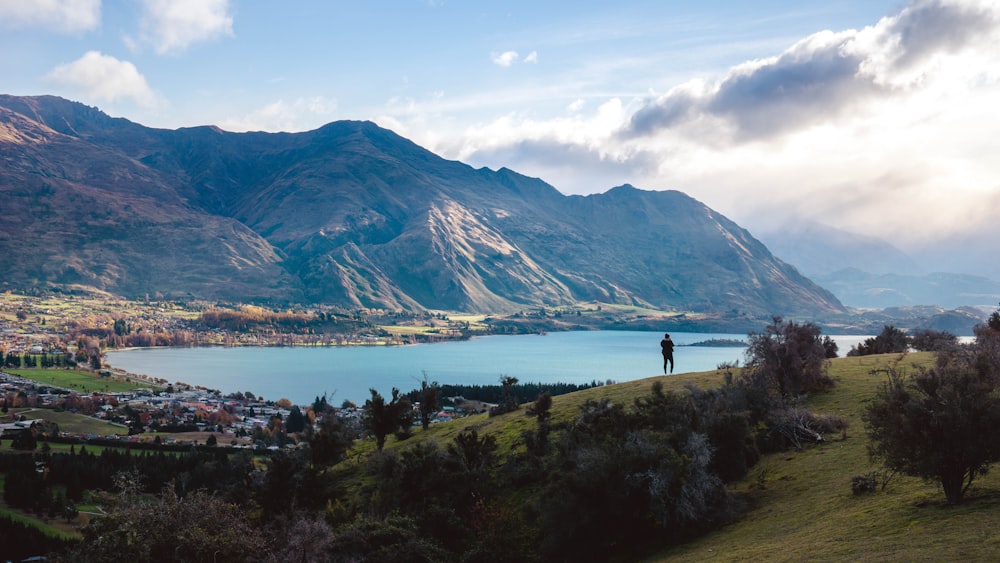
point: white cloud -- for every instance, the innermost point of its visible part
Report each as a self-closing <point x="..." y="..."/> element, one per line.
<point x="883" y="130"/>
<point x="102" y="77"/>
<point x="172" y="26"/>
<point x="505" y="59"/>
<point x="300" y="114"/>
<point x="887" y="131"/>
<point x="830" y="75"/>
<point x="532" y="57"/>
<point x="61" y="16"/>
<point x="575" y="153"/>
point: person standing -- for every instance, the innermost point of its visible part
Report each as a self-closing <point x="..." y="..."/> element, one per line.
<point x="667" y="347"/>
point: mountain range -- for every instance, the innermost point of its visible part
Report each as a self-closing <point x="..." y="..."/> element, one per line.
<point x="870" y="273"/>
<point x="820" y="250"/>
<point x="352" y="214"/>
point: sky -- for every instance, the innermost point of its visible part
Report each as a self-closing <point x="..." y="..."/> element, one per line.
<point x="878" y="117"/>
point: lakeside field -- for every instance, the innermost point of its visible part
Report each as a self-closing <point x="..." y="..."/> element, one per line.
<point x="73" y="423"/>
<point x="80" y="381"/>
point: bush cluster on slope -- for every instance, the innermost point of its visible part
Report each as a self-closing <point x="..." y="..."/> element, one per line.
<point x="937" y="422"/>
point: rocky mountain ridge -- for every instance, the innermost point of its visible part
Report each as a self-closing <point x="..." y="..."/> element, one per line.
<point x="354" y="215"/>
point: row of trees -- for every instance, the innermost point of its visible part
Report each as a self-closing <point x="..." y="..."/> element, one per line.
<point x="28" y="360"/>
<point x="255" y="318"/>
<point x="893" y="340"/>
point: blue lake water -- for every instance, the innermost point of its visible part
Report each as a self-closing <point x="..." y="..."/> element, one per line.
<point x="301" y="374"/>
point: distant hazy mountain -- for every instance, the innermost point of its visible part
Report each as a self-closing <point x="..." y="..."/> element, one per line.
<point x="959" y="321"/>
<point x="869" y="272"/>
<point x="863" y="289"/>
<point x="817" y="250"/>
<point x="354" y="215"/>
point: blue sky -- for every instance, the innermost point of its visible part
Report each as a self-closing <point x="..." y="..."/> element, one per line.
<point x="877" y="117"/>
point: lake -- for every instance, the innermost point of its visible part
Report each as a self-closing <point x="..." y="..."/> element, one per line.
<point x="303" y="373"/>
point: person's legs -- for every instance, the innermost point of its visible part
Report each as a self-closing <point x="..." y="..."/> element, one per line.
<point x="671" y="358"/>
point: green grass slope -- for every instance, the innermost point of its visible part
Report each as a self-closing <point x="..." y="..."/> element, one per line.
<point x="800" y="503"/>
<point x="802" y="507"/>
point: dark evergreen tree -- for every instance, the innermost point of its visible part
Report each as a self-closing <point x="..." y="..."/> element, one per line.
<point x="618" y="478"/>
<point x="24" y="440"/>
<point x="296" y="421"/>
<point x="320" y="405"/>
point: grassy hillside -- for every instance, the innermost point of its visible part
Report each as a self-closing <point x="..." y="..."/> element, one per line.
<point x="802" y="508"/>
<point x="800" y="504"/>
<point x="507" y="428"/>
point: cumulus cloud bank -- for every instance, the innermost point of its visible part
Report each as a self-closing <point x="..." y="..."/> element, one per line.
<point x="826" y="75"/>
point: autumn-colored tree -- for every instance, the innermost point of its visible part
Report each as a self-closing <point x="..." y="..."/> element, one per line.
<point x="220" y="416"/>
